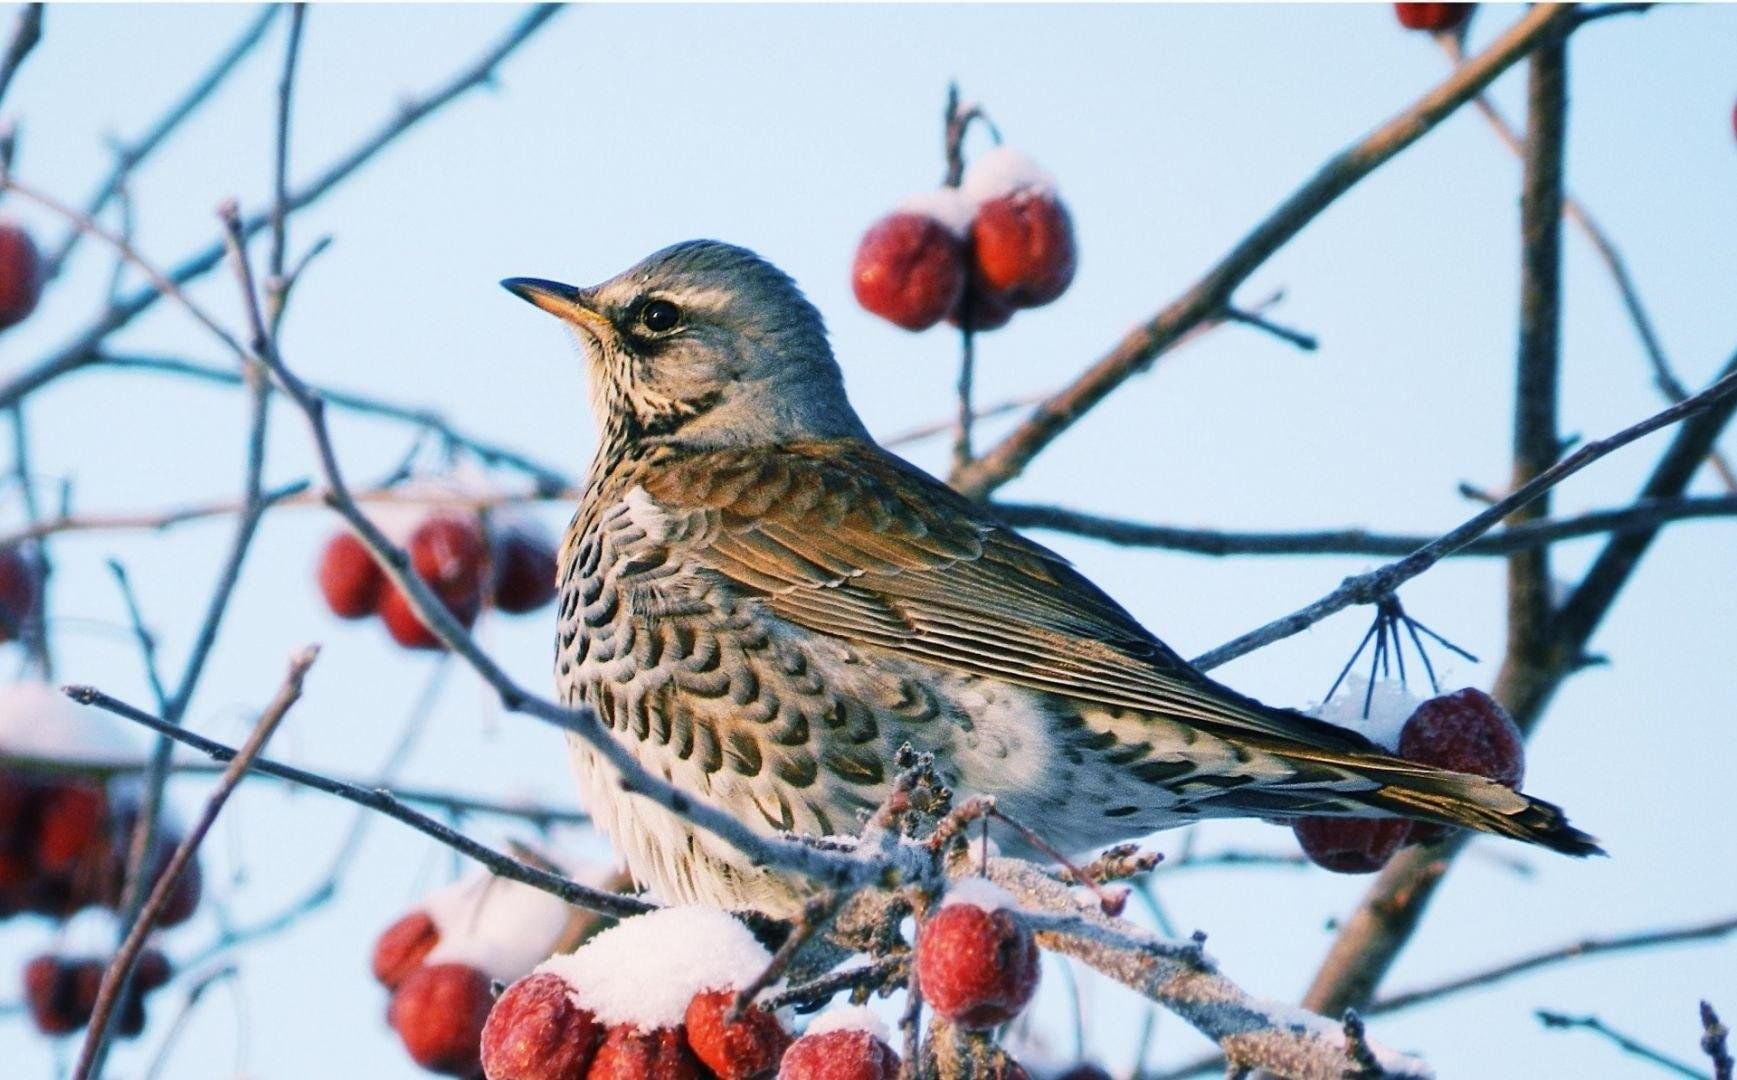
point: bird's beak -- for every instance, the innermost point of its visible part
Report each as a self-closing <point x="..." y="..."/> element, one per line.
<point x="562" y="301"/>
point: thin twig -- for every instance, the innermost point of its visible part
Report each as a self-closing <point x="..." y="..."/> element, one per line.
<point x="383" y="801"/>
<point x="1713" y="1043"/>
<point x="1716" y="400"/>
<point x="120" y="970"/>
<point x="1643" y="514"/>
<point x="1715" y="930"/>
<point x="129" y="157"/>
<point x="1209" y="296"/>
<point x="85" y="348"/>
<point x="1630" y="1045"/>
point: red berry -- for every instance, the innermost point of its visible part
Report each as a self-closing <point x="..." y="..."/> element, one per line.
<point x="627" y="1053"/>
<point x="152" y="971"/>
<point x="350" y="580"/>
<point x="402" y="622"/>
<point x="1350" y="845"/>
<point x="524" y="572"/>
<point x="74" y="820"/>
<point x="401" y="948"/>
<point x="1022" y="244"/>
<point x="909" y="270"/>
<point x="448" y="553"/>
<point x="739" y="1049"/>
<point x="439" y="1012"/>
<point x="51" y="994"/>
<point x="20" y="275"/>
<point x="1466" y="731"/>
<point x="841" y="1054"/>
<point x="535" y="1032"/>
<point x="1431" y="17"/>
<point x="1085" y="1070"/>
<point x="989" y="310"/>
<point x="978" y="968"/>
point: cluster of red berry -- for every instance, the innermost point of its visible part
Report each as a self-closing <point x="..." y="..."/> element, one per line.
<point x="63" y="848"/>
<point x="1467" y="731"/>
<point x="20" y="275"/>
<point x="976" y="962"/>
<point x="61" y="992"/>
<point x="512" y="570"/>
<point x="972" y="254"/>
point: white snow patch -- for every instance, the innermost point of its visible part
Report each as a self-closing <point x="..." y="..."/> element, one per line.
<point x="643" y="971"/>
<point x="502" y="928"/>
<point x="851" y="1018"/>
<point x="949" y="207"/>
<point x="39" y="722"/>
<point x="1390" y="706"/>
<point x="1393" y="1063"/>
<point x="1003" y="171"/>
<point x="979" y="892"/>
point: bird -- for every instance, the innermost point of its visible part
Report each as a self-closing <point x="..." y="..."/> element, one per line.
<point x="764" y="606"/>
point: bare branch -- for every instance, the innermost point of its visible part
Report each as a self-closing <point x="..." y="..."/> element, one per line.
<point x="129" y="157"/>
<point x="1207" y="298"/>
<point x="1628" y="1044"/>
<point x="85" y="348"/>
<point x="1713" y="1043"/>
<point x="1713" y="405"/>
<point x="1716" y="930"/>
<point x="120" y="970"/>
<point x="1644" y="514"/>
<point x="383" y="801"/>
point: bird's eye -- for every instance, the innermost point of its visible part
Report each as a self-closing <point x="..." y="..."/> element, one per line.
<point x="659" y="315"/>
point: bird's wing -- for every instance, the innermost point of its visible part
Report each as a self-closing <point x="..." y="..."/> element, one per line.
<point x="847" y="540"/>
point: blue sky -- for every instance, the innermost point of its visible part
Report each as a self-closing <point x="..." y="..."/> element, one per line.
<point x="1171" y="130"/>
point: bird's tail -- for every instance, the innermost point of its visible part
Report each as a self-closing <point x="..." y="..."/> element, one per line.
<point x="1412" y="790"/>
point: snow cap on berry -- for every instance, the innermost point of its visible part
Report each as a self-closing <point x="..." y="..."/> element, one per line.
<point x="643" y="971"/>
<point x="1390" y="706"/>
<point x="948" y="207"/>
<point x="850" y="1018"/>
<point x="1003" y="171"/>
<point x="502" y="928"/>
<point x="979" y="892"/>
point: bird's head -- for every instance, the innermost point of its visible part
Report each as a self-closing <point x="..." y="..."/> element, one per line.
<point x="703" y="343"/>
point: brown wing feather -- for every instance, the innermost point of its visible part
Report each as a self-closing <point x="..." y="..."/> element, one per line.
<point x="847" y="540"/>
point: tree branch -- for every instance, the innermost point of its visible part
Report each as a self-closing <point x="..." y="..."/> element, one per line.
<point x="26" y="32"/>
<point x="1208" y="297"/>
<point x="120" y="970"/>
<point x="1642" y="514"/>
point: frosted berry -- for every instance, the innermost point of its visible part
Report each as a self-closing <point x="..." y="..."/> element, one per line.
<point x="403" y="624"/>
<point x="350" y="580"/>
<point x="1431" y="17"/>
<point x="749" y="1046"/>
<point x="909" y="269"/>
<point x="1466" y="731"/>
<point x="524" y="567"/>
<point x="401" y="948"/>
<point x="536" y="1032"/>
<point x="1022" y="245"/>
<point x="1350" y="845"/>
<point x="20" y="275"/>
<point x="977" y="967"/>
<point x="439" y="1012"/>
<point x="628" y="1053"/>
<point x="449" y="554"/>
<point x="841" y="1054"/>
